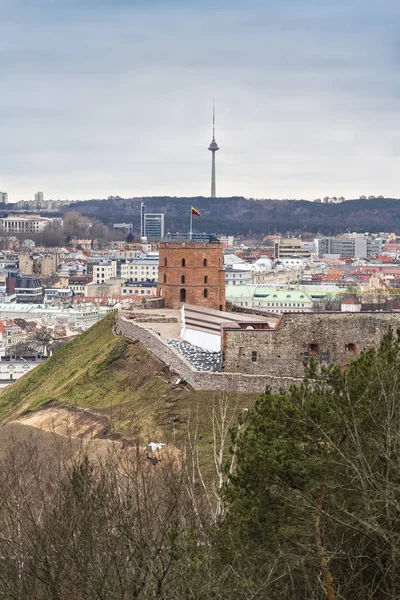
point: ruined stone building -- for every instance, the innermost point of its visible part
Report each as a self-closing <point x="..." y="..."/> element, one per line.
<point x="280" y="351"/>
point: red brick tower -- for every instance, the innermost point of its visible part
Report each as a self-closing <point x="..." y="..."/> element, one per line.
<point x="191" y="272"/>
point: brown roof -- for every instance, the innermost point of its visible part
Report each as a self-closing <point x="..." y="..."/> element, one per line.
<point x="350" y="300"/>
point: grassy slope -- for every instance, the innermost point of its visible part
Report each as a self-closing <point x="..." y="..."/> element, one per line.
<point x="110" y="375"/>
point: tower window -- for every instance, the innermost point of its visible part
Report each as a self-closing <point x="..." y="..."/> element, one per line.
<point x="182" y="279"/>
<point x="204" y="262"/>
<point x="183" y="295"/>
<point x="183" y="262"/>
<point x="165" y="262"/>
<point x="165" y="279"/>
<point x="254" y="356"/>
<point x="350" y="348"/>
<point x="205" y="278"/>
<point x="205" y="293"/>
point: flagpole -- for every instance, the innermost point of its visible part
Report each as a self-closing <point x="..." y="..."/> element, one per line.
<point x="191" y="225"/>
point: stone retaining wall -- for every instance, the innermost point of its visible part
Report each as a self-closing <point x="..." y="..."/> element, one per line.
<point x="198" y="380"/>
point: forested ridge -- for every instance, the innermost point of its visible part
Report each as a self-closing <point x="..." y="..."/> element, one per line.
<point x="247" y="217"/>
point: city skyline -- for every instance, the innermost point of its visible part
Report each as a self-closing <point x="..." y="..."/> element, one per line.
<point x="99" y="99"/>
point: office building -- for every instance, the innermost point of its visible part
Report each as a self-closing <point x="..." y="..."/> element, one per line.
<point x="290" y="248"/>
<point x="151" y="224"/>
<point x="3" y="198"/>
<point x="348" y="246"/>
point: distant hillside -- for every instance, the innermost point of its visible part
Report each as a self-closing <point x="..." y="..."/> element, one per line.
<point x="240" y="216"/>
<point x="121" y="380"/>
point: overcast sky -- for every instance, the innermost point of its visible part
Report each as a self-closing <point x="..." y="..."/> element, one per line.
<point x="114" y="97"/>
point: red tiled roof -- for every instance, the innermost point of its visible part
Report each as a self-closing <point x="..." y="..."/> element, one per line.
<point x="350" y="300"/>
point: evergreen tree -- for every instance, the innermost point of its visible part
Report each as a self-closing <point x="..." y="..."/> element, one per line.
<point x="317" y="480"/>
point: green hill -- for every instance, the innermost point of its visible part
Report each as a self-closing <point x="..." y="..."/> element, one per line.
<point x="122" y="380"/>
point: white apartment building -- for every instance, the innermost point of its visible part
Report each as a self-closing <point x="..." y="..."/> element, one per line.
<point x="136" y="269"/>
<point x="102" y="272"/>
<point x="27" y="224"/>
<point x="238" y="276"/>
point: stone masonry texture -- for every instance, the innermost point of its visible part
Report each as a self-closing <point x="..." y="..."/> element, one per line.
<point x="327" y="336"/>
<point x="192" y="273"/>
<point x="280" y="354"/>
<point x="198" y="380"/>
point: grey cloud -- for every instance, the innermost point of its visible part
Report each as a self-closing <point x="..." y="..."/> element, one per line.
<point x="102" y="98"/>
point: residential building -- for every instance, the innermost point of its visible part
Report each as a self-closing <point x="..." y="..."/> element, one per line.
<point x="51" y="294"/>
<point x="106" y="289"/>
<point x="39" y="264"/>
<point x="143" y="268"/>
<point x="39" y="197"/>
<point x="3" y="198"/>
<point x="235" y="276"/>
<point x="26" y="289"/>
<point x="12" y="368"/>
<point x="77" y="284"/>
<point x="140" y="288"/>
<point x="103" y="271"/>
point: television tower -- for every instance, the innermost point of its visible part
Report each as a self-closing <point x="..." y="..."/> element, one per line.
<point x="213" y="147"/>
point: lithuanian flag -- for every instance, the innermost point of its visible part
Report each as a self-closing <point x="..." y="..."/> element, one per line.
<point x="195" y="211"/>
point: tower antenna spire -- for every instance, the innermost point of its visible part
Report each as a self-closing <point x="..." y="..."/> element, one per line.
<point x="213" y="147"/>
<point x="213" y="119"/>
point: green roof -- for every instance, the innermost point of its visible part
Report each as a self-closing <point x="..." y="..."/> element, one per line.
<point x="266" y="294"/>
<point x="282" y="296"/>
<point x="240" y="291"/>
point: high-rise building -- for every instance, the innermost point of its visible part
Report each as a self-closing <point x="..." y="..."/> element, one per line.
<point x="39" y="197"/>
<point x="151" y="224"/>
<point x="191" y="272"/>
<point x="3" y="198"/>
<point x="213" y="147"/>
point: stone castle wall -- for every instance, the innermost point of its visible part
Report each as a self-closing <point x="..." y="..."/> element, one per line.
<point x="198" y="380"/>
<point x="281" y="352"/>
